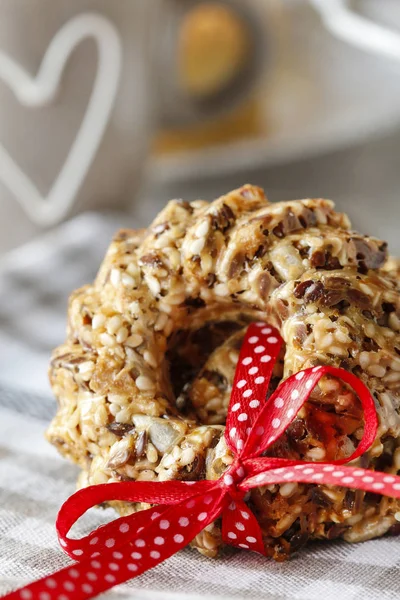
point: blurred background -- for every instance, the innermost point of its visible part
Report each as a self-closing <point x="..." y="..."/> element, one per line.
<point x="108" y="108"/>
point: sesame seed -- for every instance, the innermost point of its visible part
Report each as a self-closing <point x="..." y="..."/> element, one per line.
<point x="144" y="383"/>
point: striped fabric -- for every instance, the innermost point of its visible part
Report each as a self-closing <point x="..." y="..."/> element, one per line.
<point x="34" y="480"/>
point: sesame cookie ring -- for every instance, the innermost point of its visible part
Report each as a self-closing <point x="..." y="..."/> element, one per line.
<point x="144" y="378"/>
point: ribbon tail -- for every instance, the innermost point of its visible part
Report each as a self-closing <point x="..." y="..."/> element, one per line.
<point x="240" y="527"/>
<point x="165" y="535"/>
<point x="329" y="474"/>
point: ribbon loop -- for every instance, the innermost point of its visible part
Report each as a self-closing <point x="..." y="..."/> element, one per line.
<point x="257" y="358"/>
<point x="282" y="407"/>
<point x="166" y="492"/>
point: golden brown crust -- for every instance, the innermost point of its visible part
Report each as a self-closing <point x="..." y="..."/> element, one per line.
<point x="144" y="377"/>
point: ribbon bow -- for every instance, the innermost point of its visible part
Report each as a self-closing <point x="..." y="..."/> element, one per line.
<point x="130" y="545"/>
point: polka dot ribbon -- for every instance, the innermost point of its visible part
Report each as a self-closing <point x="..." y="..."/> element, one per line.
<point x="131" y="545"/>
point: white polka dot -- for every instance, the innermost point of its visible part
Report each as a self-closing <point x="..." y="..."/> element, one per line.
<point x="278" y="402"/>
<point x="88" y="589"/>
<point x="91" y="576"/>
<point x="44" y="596"/>
<point x="389" y="479"/>
<point x="241" y="383"/>
<point x="94" y="540"/>
<point x="208" y="499"/>
<point x="290" y="413"/>
<point x="232" y="506"/>
<point x="266" y="358"/>
<point x="164" y="524"/>
<point x="245" y="546"/>
<point x="240" y="526"/>
<point x="316" y="369"/>
<point x="308" y="471"/>
<point x="239" y="444"/>
<point x="132" y="567"/>
<point x="235" y="407"/>
<point x="74" y="573"/>
<point x="110" y="578"/>
<point x="254" y="404"/>
<point x="299" y="376"/>
<point x="118" y="555"/>
<point x="178" y="538"/>
<point x="113" y="566"/>
<point x="95" y="564"/>
<point x="328" y="468"/>
<point x="190" y="504"/>
<point x="396" y="486"/>
<point x="202" y="516"/>
<point x="183" y="521"/>
<point x="251" y="539"/>
<point x="110" y="543"/>
<point x="140" y="529"/>
<point x="51" y="583"/>
<point x="232" y="432"/>
<point x="309" y="384"/>
<point x="378" y="485"/>
<point x="140" y="543"/>
<point x="317" y="476"/>
<point x="232" y="535"/>
<point x="243" y="417"/>
<point x="155" y="554"/>
<point x="64" y="544"/>
<point x="260" y="430"/>
<point x="247" y="360"/>
<point x="368" y="479"/>
<point x="259" y="349"/>
<point x="26" y="594"/>
<point x="259" y="380"/>
<point x="155" y="515"/>
<point x="124" y="528"/>
<point x="240" y="472"/>
<point x="159" y="541"/>
<point x="248" y="429"/>
<point x="62" y="597"/>
<point x="245" y="515"/>
<point x="266" y="330"/>
<point x="228" y="479"/>
<point x="77" y="552"/>
<point x="347" y="479"/>
<point x="95" y="554"/>
<point x="275" y="423"/>
<point x="253" y="339"/>
<point x="272" y="340"/>
<point x="288" y="475"/>
<point x="253" y="370"/>
<point x="69" y="586"/>
<point x="294" y="395"/>
<point x="247" y="393"/>
<point x="359" y="473"/>
<point x="136" y="555"/>
<point x="337" y="474"/>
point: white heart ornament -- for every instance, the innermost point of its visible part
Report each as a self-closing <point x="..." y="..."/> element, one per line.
<point x="41" y="90"/>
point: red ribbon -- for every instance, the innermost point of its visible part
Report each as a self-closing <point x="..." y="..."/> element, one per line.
<point x="128" y="546"/>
